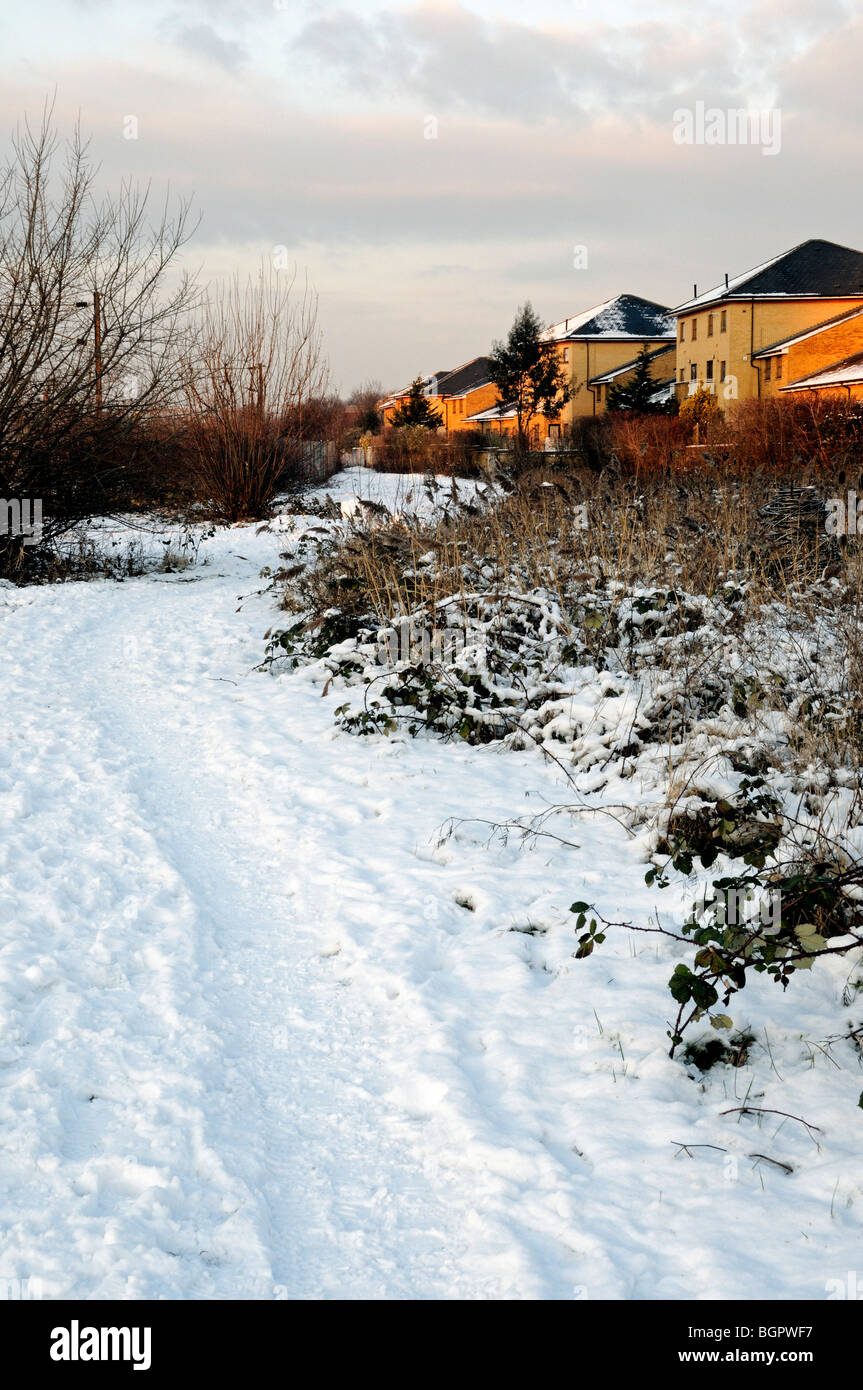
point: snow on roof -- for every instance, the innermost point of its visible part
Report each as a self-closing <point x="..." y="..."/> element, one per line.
<point x="454" y="381"/>
<point x="494" y="412"/>
<point x="571" y="325"/>
<point x="839" y="374"/>
<point x="625" y="316"/>
<point x="665" y="390"/>
<point x="429" y="383"/>
<point x="720" y="291"/>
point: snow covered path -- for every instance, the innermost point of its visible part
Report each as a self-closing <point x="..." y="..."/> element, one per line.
<point x="262" y="1035"/>
<point x="235" y="909"/>
<point x="229" y="1092"/>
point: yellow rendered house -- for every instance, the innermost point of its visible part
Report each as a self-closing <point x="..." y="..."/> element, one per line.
<point x="843" y="379"/>
<point x="597" y="347"/>
<point x="468" y="389"/>
<point x="456" y="394"/>
<point x="389" y="404"/>
<point x="607" y="339"/>
<point x="792" y="325"/>
<point x="761" y="332"/>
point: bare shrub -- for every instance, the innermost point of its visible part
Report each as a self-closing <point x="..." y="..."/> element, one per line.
<point x="89" y="331"/>
<point x="256" y="364"/>
<point x="415" y="449"/>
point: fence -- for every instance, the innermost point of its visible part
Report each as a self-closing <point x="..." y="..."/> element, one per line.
<point x="319" y="459"/>
<point x="361" y="456"/>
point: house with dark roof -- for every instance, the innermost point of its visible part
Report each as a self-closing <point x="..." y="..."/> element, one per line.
<point x="750" y="336"/>
<point x="389" y="403"/>
<point x="605" y="338"/>
<point x="468" y="390"/>
<point x="456" y="393"/>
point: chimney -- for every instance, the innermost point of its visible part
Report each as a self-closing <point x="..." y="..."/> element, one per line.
<point x="726" y="279"/>
<point x="694" y="291"/>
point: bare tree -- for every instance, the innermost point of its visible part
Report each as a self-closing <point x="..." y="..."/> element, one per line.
<point x="90" y="333"/>
<point x="256" y="370"/>
<point x="363" y="403"/>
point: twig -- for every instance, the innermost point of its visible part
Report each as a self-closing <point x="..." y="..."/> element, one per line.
<point x="777" y="1163"/>
<point x="761" y="1110"/>
<point x="685" y="1148"/>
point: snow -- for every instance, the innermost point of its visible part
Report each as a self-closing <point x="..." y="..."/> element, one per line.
<point x="494" y="412"/>
<point x="613" y="321"/>
<point x="576" y="321"/>
<point x="851" y="370"/>
<point x="279" y="1017"/>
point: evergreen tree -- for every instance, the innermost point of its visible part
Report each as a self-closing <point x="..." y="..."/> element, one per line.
<point x="417" y="409"/>
<point x="528" y="373"/>
<point x="635" y="394"/>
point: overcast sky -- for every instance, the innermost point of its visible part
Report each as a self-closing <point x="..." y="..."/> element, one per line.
<point x="305" y="125"/>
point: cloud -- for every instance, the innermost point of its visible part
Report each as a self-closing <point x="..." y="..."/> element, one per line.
<point x="202" y="41"/>
<point x="448" y="58"/>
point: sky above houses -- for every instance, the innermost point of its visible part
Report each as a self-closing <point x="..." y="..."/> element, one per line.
<point x="432" y="165"/>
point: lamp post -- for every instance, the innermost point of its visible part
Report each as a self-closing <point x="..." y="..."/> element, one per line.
<point x="97" y="340"/>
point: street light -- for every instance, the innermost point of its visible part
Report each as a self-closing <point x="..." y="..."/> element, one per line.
<point x="97" y="339"/>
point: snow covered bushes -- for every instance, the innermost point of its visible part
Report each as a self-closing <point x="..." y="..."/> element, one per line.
<point x="678" y="657"/>
<point x="795" y="894"/>
<point x="600" y="613"/>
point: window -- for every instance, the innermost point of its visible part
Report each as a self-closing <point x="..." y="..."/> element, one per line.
<point x="681" y="374"/>
<point x="694" y="329"/>
<point x="779" y="369"/>
<point x="682" y="330"/>
<point x="693" y="371"/>
<point x="710" y="370"/>
<point x="723" y="321"/>
<point x="566" y="354"/>
<point x="710" y="325"/>
<point x="767" y="369"/>
<point x="722" y="371"/>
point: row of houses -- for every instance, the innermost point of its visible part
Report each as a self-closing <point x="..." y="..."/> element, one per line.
<point x="791" y="325"/>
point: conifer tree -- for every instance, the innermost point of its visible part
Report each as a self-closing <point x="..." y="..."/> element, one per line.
<point x="528" y="373"/>
<point x="636" y="393"/>
<point x="417" y="409"/>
